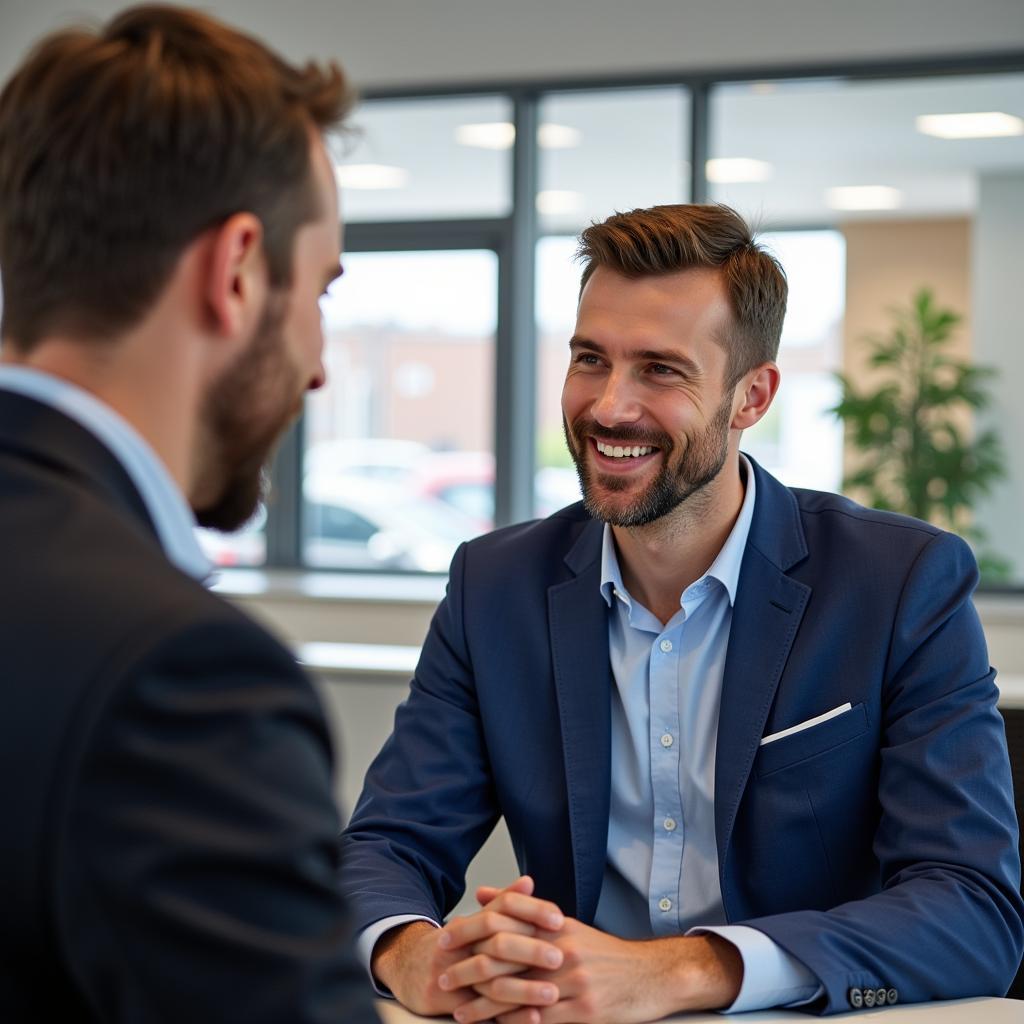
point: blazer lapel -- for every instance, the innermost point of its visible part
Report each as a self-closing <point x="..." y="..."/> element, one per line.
<point x="578" y="619"/>
<point x="768" y="611"/>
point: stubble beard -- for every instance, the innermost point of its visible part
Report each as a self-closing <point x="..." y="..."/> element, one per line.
<point x="697" y="465"/>
<point x="243" y="417"/>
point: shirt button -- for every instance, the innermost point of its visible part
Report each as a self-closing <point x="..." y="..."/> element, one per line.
<point x="666" y="645"/>
<point x="666" y="739"/>
<point x="670" y="824"/>
<point x="664" y="904"/>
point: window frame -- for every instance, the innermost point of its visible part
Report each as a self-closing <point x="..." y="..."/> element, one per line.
<point x="514" y="237"/>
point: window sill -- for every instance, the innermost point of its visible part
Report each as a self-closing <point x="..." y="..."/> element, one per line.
<point x="362" y="661"/>
<point x="392" y="588"/>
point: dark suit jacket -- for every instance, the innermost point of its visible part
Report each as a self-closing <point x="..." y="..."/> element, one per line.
<point x="169" y="837"/>
<point x="879" y="848"/>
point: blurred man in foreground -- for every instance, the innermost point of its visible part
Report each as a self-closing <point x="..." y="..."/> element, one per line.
<point x="168" y="223"/>
<point x="744" y="737"/>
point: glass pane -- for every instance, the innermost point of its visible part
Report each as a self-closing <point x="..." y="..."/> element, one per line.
<point x="558" y="283"/>
<point x="799" y="440"/>
<point x="244" y="548"/>
<point x="608" y="151"/>
<point x="826" y="151"/>
<point x="923" y="179"/>
<point x="399" y="463"/>
<point x="426" y="159"/>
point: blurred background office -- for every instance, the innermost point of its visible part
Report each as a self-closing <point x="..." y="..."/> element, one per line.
<point x="878" y="145"/>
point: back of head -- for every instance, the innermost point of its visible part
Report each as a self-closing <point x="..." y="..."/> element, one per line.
<point x="120" y="146"/>
<point x="669" y="239"/>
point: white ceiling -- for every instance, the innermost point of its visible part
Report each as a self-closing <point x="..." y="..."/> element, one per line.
<point x="417" y="42"/>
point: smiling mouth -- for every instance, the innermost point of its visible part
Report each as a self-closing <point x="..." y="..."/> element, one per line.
<point x="624" y="452"/>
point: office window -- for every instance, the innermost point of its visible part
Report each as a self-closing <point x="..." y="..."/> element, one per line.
<point x="798" y="440"/>
<point x="399" y="464"/>
<point x="426" y="159"/>
<point x="244" y="549"/>
<point x="558" y="282"/>
<point x="922" y="179"/>
<point x="602" y="151"/>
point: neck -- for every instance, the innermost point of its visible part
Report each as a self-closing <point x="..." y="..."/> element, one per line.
<point x="660" y="560"/>
<point x="149" y="384"/>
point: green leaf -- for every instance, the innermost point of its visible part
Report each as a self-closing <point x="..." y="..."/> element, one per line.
<point x="916" y="457"/>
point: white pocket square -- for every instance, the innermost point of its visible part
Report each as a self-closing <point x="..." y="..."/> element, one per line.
<point x="835" y="712"/>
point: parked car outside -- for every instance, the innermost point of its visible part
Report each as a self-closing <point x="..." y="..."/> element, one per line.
<point x="356" y="523"/>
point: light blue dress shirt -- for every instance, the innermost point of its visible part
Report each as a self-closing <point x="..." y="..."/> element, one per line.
<point x="166" y="505"/>
<point x="661" y="874"/>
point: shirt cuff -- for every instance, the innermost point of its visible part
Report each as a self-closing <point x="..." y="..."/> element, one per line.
<point x="771" y="976"/>
<point x="369" y="937"/>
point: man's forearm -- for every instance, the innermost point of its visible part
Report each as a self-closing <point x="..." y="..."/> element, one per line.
<point x="392" y="950"/>
<point x="709" y="977"/>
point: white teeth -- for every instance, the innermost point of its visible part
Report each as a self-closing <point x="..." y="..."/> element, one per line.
<point x="624" y="452"/>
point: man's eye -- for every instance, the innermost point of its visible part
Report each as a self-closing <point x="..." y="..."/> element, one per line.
<point x="587" y="359"/>
<point x="661" y="370"/>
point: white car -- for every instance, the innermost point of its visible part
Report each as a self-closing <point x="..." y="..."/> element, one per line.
<point x="351" y="522"/>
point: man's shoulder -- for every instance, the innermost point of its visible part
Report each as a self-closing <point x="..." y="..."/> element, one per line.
<point x="157" y="603"/>
<point x="837" y="510"/>
<point x="90" y="570"/>
<point x="828" y="534"/>
<point x="844" y="532"/>
<point x="540" y="544"/>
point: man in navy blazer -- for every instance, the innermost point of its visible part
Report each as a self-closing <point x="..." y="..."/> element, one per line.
<point x="744" y="737"/>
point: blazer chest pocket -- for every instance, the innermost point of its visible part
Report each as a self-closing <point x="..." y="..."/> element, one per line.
<point x="818" y="739"/>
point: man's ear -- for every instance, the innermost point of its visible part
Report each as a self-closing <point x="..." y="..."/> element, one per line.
<point x="754" y="395"/>
<point x="236" y="282"/>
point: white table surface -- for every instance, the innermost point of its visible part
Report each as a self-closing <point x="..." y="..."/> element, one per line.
<point x="959" y="1011"/>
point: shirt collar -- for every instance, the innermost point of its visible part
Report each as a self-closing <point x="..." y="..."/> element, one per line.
<point x="726" y="566"/>
<point x="166" y="505"/>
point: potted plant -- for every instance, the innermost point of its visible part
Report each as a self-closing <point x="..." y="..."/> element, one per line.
<point x="916" y="452"/>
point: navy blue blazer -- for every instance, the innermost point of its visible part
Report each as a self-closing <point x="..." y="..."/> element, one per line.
<point x="878" y="847"/>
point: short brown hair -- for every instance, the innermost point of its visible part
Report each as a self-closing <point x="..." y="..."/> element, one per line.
<point x="119" y="147"/>
<point x="667" y="239"/>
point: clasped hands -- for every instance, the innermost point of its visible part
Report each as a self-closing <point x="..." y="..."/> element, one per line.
<point x="520" y="960"/>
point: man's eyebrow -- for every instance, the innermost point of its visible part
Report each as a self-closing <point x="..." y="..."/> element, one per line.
<point x="668" y="355"/>
<point x="663" y="355"/>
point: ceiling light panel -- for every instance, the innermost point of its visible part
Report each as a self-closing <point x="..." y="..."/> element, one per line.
<point x="736" y="170"/>
<point x="990" y="124"/>
<point x="502" y="135"/>
<point x="864" y="197"/>
<point x="558" y="136"/>
<point x="371" y="176"/>
<point x="558" y="202"/>
<point x="486" y="135"/>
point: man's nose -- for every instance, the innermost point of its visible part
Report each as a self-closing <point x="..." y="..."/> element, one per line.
<point x="617" y="403"/>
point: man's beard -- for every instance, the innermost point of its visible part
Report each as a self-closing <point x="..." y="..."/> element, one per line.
<point x="698" y="464"/>
<point x="243" y="416"/>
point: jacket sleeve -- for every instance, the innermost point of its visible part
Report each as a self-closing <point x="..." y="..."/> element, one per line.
<point x="428" y="802"/>
<point x="947" y="921"/>
<point x="198" y="854"/>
